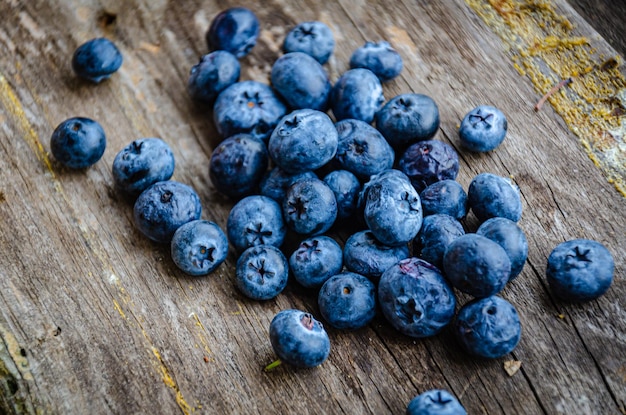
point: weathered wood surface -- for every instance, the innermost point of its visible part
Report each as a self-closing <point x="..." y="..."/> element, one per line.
<point x="94" y="318"/>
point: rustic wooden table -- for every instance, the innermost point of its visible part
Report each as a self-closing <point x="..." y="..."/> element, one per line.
<point x="94" y="318"/>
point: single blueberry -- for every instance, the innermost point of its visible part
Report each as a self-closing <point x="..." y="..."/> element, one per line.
<point x="430" y="161"/>
<point x="483" y="129"/>
<point x="315" y="260"/>
<point x="199" y="247"/>
<point x="435" y="402"/>
<point x="214" y="73"/>
<point x="376" y="179"/>
<point x="362" y="149"/>
<point x="96" y="59"/>
<point x="415" y="298"/>
<point x="365" y="255"/>
<point x="142" y="163"/>
<point x="301" y="81"/>
<point x="313" y="38"/>
<point x="238" y="165"/>
<point x="255" y="220"/>
<point x="492" y="196"/>
<point x="509" y="236"/>
<point x="299" y="339"/>
<point x="408" y="118"/>
<point x="247" y="107"/>
<point x="261" y="272"/>
<point x="347" y="301"/>
<point x="436" y="234"/>
<point x="78" y="142"/>
<point x="488" y="327"/>
<point x="580" y="270"/>
<point x="446" y="197"/>
<point x="303" y="140"/>
<point x="235" y="30"/>
<point x="476" y="265"/>
<point x="164" y="207"/>
<point x="346" y="188"/>
<point x="276" y="182"/>
<point x="310" y="207"/>
<point x="357" y="94"/>
<point x="378" y="57"/>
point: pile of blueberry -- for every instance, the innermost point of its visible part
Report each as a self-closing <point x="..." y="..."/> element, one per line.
<point x="291" y="168"/>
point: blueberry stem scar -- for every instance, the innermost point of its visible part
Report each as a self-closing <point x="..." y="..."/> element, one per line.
<point x="272" y="365"/>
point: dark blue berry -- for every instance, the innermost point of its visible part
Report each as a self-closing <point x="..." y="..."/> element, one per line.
<point x="509" y="236"/>
<point x="347" y="301"/>
<point x="310" y="207"/>
<point x="430" y="161"/>
<point x="255" y="220"/>
<point x="96" y="59"/>
<point x="357" y="94"/>
<point x="491" y="196"/>
<point x="199" y="247"/>
<point x="445" y="197"/>
<point x="315" y="260"/>
<point x="346" y="188"/>
<point x="276" y="182"/>
<point x="214" y="73"/>
<point x="436" y="234"/>
<point x="435" y="402"/>
<point x="301" y="81"/>
<point x="313" y="38"/>
<point x="378" y="57"/>
<point x="235" y="30"/>
<point x="261" y="272"/>
<point x="78" y="142"/>
<point x="483" y="129"/>
<point x="365" y="255"/>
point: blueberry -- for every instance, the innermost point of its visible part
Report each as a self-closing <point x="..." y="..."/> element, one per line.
<point x="364" y="255"/>
<point x="247" y="107"/>
<point x="78" y="142"/>
<point x="488" y="327"/>
<point x="199" y="247"/>
<point x="303" y="140"/>
<point x="408" y="118"/>
<point x="483" y="129"/>
<point x="435" y="402"/>
<point x="430" y="161"/>
<point x="96" y="59"/>
<point x="261" y="272"/>
<point x="238" y="165"/>
<point x="378" y="57"/>
<point x="299" y="339"/>
<point x="357" y="94"/>
<point x="580" y="270"/>
<point x="346" y="188"/>
<point x="415" y="298"/>
<point x="142" y="163"/>
<point x="362" y="149"/>
<point x="392" y="210"/>
<point x="235" y="30"/>
<point x="310" y="207"/>
<point x="476" y="265"/>
<point x="436" y="234"/>
<point x="446" y="197"/>
<point x="301" y="81"/>
<point x="315" y="260"/>
<point x="164" y="207"/>
<point x="313" y="38"/>
<point x="509" y="236"/>
<point x="276" y="182"/>
<point x="255" y="220"/>
<point x="347" y="301"/>
<point x="492" y="196"/>
<point x="214" y="73"/>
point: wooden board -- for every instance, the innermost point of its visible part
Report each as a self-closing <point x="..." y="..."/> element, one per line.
<point x="94" y="318"/>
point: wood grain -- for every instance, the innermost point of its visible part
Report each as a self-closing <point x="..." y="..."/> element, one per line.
<point x="94" y="318"/>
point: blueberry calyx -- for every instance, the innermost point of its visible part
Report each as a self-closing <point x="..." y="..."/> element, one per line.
<point x="310" y="248"/>
<point x="408" y="309"/>
<point x="307" y="321"/>
<point x="207" y="254"/>
<point x="297" y="207"/>
<point x="259" y="233"/>
<point x="478" y="118"/>
<point x="166" y="196"/>
<point x="263" y="273"/>
<point x="578" y="255"/>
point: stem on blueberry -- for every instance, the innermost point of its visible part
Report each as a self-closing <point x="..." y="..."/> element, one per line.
<point x="273" y="365"/>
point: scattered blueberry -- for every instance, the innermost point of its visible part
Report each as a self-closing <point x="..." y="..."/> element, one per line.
<point x="415" y="298"/>
<point x="483" y="129"/>
<point x="235" y="30"/>
<point x="429" y="161"/>
<point x="378" y="57"/>
<point x="580" y="270"/>
<point x="214" y="73"/>
<point x="164" y="207"/>
<point x="476" y="265"/>
<point x="142" y="163"/>
<point x="509" y="236"/>
<point x="357" y="94"/>
<point x="408" y="118"/>
<point x="96" y="59"/>
<point x="313" y="38"/>
<point x="492" y="196"/>
<point x="445" y="196"/>
<point x="238" y="165"/>
<point x="435" y="402"/>
<point x="436" y="234"/>
<point x="199" y="247"/>
<point x="78" y="142"/>
<point x="315" y="260"/>
<point x="261" y="272"/>
<point x="298" y="339"/>
<point x="276" y="182"/>
<point x="310" y="207"/>
<point x="255" y="220"/>
<point x="301" y="81"/>
<point x="488" y="327"/>
<point x="347" y="301"/>
<point x="346" y="188"/>
<point x="365" y="255"/>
